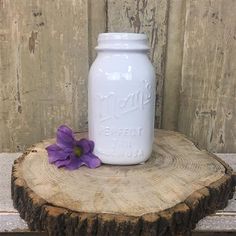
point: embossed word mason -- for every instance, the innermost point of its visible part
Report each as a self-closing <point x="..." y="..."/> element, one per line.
<point x="121" y="96"/>
<point x="112" y="106"/>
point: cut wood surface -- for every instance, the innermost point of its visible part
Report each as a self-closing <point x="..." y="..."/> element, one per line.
<point x="167" y="195"/>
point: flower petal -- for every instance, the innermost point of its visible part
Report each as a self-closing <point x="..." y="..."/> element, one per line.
<point x="86" y="145"/>
<point x="74" y="163"/>
<point x="62" y="163"/>
<point x="65" y="137"/>
<point x="55" y="153"/>
<point x="90" y="160"/>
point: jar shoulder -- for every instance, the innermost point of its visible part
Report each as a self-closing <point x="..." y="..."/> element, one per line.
<point x="133" y="64"/>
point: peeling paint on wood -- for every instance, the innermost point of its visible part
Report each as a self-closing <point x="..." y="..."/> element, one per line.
<point x="45" y="56"/>
<point x="150" y="17"/>
<point x="32" y="39"/>
<point x="208" y="86"/>
<point x="43" y="69"/>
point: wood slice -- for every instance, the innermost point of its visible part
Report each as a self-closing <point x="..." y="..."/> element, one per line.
<point x="167" y="195"/>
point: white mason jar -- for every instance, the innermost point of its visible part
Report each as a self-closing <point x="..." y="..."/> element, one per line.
<point x="121" y="95"/>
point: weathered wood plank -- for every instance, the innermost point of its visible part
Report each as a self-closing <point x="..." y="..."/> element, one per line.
<point x="6" y="160"/>
<point x="43" y="69"/>
<point x="12" y="222"/>
<point x="217" y="223"/>
<point x="229" y="158"/>
<point x="96" y="24"/>
<point x="176" y="22"/>
<point x="148" y="17"/>
<point x="208" y="87"/>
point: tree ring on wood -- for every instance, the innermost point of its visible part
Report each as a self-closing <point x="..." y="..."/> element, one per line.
<point x="167" y="195"/>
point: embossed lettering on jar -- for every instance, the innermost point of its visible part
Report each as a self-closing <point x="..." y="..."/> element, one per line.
<point x="121" y="97"/>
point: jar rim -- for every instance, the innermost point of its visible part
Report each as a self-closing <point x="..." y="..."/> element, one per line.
<point x="122" y="36"/>
<point x="122" y="41"/>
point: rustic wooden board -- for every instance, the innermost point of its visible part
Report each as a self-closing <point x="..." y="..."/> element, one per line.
<point x="97" y="18"/>
<point x="167" y="195"/>
<point x="217" y="223"/>
<point x="43" y="69"/>
<point x="173" y="64"/>
<point x="208" y="86"/>
<point x="148" y="17"/>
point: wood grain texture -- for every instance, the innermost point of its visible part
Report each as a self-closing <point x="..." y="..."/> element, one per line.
<point x="148" y="17"/>
<point x="208" y="86"/>
<point x="167" y="195"/>
<point x="97" y="17"/>
<point x="11" y="221"/>
<point x="43" y="69"/>
<point x="231" y="159"/>
<point x="174" y="56"/>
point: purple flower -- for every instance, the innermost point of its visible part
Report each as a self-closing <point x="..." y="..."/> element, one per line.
<point x="70" y="153"/>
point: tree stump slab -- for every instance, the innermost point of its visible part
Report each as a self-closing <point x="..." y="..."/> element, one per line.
<point x="167" y="195"/>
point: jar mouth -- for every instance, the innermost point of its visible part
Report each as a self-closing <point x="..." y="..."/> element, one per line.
<point x="122" y="41"/>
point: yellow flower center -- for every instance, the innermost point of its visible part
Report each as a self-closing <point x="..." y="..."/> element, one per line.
<point x="78" y="151"/>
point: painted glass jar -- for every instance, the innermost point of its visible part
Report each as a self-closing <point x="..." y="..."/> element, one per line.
<point x="121" y="99"/>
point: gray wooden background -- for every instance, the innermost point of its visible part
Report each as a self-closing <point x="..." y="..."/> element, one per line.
<point x="46" y="48"/>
